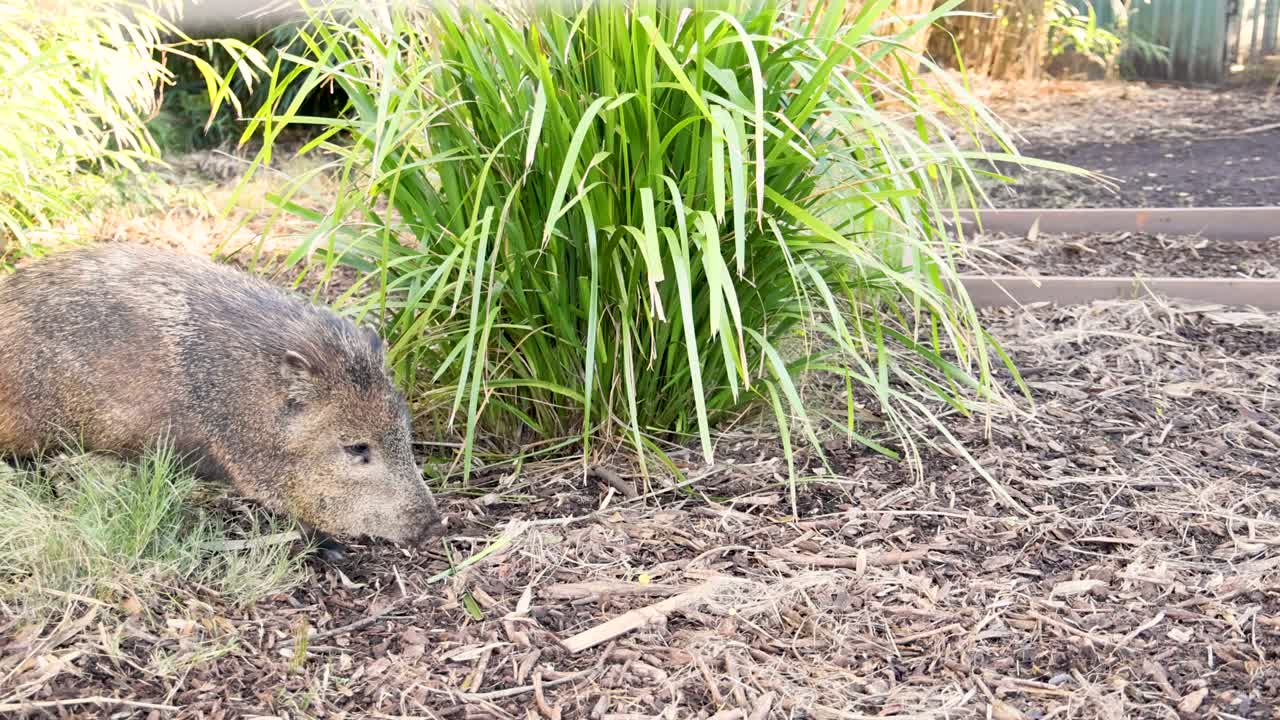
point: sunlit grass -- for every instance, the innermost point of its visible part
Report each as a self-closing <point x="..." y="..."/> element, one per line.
<point x="79" y="81"/>
<point x="91" y="526"/>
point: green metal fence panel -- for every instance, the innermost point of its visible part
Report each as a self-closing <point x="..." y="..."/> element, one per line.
<point x="1271" y="28"/>
<point x="1204" y="37"/>
<point x="1249" y="16"/>
<point x="1262" y="17"/>
<point x="1195" y="31"/>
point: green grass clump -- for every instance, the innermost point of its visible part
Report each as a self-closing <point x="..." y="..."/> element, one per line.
<point x="94" y="526"/>
<point x="633" y="221"/>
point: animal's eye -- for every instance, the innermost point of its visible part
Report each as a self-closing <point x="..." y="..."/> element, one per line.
<point x="359" y="451"/>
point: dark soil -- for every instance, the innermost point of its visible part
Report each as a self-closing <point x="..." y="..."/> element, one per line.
<point x="1163" y="147"/>
<point x="1126" y="254"/>
<point x="1224" y="171"/>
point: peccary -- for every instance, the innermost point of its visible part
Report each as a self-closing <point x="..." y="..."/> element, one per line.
<point x="116" y="347"/>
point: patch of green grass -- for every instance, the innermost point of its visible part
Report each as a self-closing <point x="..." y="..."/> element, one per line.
<point x="632" y="222"/>
<point x="92" y="526"/>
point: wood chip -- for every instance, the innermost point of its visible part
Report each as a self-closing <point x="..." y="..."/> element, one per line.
<point x="1191" y="702"/>
<point x="1076" y="587"/>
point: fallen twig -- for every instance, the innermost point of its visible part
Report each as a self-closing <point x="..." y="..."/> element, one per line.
<point x="893" y="557"/>
<point x="580" y="590"/>
<point x="549" y="712"/>
<point x="72" y="596"/>
<point x="514" y="691"/>
<point x="1072" y="630"/>
<point x="633" y="619"/>
<point x="521" y="690"/>
<point x="1258" y="129"/>
<point x="953" y="627"/>
<point x="1128" y="638"/>
<point x="763" y="705"/>
<point x="613" y="480"/>
<point x="1266" y="433"/>
<point x="709" y="681"/>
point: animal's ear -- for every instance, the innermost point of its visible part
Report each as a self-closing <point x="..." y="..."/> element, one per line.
<point x="295" y="363"/>
<point x="375" y="340"/>
<point x="299" y="375"/>
<point x="379" y="350"/>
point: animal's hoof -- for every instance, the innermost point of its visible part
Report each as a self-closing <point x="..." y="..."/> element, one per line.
<point x="331" y="550"/>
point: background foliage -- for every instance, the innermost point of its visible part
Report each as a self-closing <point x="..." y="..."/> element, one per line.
<point x="1029" y="39"/>
<point x="81" y="81"/>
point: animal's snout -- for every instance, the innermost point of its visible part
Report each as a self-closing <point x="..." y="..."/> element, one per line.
<point x="432" y="526"/>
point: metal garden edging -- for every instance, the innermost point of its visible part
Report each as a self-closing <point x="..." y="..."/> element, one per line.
<point x="1222" y="224"/>
<point x="1014" y="290"/>
<point x="1216" y="223"/>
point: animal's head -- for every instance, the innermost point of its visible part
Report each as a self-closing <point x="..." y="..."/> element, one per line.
<point x="348" y="432"/>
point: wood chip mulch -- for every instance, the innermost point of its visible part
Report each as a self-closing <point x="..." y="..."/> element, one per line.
<point x="1144" y="582"/>
<point x="1124" y="254"/>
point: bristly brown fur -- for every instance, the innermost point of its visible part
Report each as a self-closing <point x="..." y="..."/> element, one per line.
<point x="117" y="346"/>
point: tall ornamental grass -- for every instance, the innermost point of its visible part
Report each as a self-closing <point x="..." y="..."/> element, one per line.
<point x="635" y="221"/>
<point x="79" y="79"/>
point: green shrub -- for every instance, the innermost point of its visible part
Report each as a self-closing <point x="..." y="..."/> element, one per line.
<point x="80" y="80"/>
<point x="635" y="220"/>
<point x="1076" y="29"/>
<point x="1115" y="50"/>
